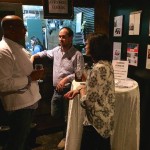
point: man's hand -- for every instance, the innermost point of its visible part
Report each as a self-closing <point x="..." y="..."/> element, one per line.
<point x="37" y="74"/>
<point x="61" y="84"/>
<point x="33" y="57"/>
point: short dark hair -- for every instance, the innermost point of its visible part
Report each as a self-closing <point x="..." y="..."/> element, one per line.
<point x="70" y="32"/>
<point x="99" y="47"/>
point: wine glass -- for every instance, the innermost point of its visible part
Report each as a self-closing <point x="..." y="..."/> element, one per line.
<point x="39" y="67"/>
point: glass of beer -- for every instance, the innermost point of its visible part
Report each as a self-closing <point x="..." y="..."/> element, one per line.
<point x="39" y="67"/>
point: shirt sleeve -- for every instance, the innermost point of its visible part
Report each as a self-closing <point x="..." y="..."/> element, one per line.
<point x="93" y="89"/>
<point x="78" y="63"/>
<point x="7" y="81"/>
<point x="47" y="53"/>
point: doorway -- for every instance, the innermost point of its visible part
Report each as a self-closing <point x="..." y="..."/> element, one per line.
<point x="49" y="28"/>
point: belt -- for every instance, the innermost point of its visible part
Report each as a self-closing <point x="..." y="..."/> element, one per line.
<point x="20" y="91"/>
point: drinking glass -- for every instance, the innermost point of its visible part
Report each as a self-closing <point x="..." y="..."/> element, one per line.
<point x="39" y="67"/>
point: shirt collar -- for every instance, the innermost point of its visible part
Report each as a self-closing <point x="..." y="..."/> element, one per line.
<point x="10" y="42"/>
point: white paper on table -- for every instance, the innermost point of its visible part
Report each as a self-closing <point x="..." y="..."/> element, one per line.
<point x="124" y="83"/>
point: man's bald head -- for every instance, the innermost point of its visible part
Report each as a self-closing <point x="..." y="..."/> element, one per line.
<point x="10" y="21"/>
<point x="13" y="27"/>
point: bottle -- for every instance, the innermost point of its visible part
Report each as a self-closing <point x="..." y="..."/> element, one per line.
<point x="78" y="75"/>
<point x="85" y="72"/>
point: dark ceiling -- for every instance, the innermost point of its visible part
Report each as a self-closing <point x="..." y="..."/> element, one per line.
<point x="84" y="3"/>
<point x="128" y="2"/>
<point x="91" y="3"/>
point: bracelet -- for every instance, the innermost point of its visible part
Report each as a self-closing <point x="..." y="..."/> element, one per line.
<point x="79" y="90"/>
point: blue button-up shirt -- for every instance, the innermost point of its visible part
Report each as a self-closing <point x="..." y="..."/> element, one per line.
<point x="64" y="63"/>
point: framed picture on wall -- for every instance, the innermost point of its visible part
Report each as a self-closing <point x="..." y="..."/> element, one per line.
<point x="56" y="9"/>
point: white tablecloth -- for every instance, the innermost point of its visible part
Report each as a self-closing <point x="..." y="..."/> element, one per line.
<point x="127" y="120"/>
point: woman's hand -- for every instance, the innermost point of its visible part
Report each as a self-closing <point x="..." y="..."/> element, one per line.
<point x="71" y="94"/>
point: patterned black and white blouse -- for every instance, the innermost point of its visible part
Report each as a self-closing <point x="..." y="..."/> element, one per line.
<point x="100" y="98"/>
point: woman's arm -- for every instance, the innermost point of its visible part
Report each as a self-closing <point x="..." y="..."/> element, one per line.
<point x="71" y="94"/>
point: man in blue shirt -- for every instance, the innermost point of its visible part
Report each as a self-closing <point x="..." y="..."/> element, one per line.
<point x="66" y="60"/>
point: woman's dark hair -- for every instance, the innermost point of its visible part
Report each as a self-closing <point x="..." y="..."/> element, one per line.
<point x="36" y="40"/>
<point x="99" y="47"/>
<point x="70" y="32"/>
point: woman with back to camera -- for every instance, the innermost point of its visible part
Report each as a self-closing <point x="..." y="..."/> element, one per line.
<point x="36" y="45"/>
<point x="97" y="95"/>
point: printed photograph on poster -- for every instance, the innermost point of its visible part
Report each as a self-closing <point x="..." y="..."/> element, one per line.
<point x="116" y="50"/>
<point x="134" y="23"/>
<point x="132" y="53"/>
<point x="149" y="28"/>
<point x="148" y="57"/>
<point x="118" y="26"/>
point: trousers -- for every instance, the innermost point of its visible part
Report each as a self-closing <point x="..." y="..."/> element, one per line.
<point x="92" y="140"/>
<point x="19" y="122"/>
<point x="59" y="106"/>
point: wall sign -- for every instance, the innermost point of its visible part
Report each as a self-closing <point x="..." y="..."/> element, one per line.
<point x="117" y="51"/>
<point x="134" y="23"/>
<point x="132" y="53"/>
<point x="120" y="69"/>
<point x="148" y="57"/>
<point x="58" y="9"/>
<point x="118" y="26"/>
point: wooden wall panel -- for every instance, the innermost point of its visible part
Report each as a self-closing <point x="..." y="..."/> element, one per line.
<point x="102" y="16"/>
<point x="101" y="10"/>
<point x="76" y="3"/>
<point x="25" y="2"/>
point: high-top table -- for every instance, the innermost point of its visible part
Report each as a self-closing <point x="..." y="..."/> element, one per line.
<point x="127" y="119"/>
